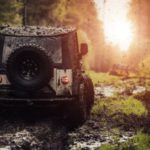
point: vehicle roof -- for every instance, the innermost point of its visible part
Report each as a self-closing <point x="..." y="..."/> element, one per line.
<point x="35" y="31"/>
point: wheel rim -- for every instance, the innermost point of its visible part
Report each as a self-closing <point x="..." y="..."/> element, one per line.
<point x="29" y="68"/>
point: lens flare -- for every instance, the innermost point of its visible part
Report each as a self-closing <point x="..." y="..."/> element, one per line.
<point x="117" y="28"/>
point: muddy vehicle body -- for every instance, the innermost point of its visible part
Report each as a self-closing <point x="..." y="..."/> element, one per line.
<point x="41" y="66"/>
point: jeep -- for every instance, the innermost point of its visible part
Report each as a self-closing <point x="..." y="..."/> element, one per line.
<point x="41" y="66"/>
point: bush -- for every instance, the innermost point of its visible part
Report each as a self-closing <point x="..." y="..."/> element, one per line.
<point x="127" y="106"/>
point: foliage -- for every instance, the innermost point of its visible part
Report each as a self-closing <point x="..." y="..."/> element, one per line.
<point x="127" y="106"/>
<point x="140" y="141"/>
<point x="41" y="12"/>
<point x="9" y="12"/>
<point x="103" y="78"/>
<point x="140" y="17"/>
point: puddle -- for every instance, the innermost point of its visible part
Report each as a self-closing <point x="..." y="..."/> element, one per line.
<point x="109" y="91"/>
<point x="106" y="91"/>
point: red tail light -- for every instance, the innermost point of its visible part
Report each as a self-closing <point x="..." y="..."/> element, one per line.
<point x="65" y="80"/>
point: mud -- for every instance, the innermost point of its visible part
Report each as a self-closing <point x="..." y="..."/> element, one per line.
<point x="92" y="135"/>
<point x="20" y="130"/>
<point x="29" y="130"/>
<point x="110" y="90"/>
<point x="35" y="31"/>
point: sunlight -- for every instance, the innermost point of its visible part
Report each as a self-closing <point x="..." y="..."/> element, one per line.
<point x="119" y="33"/>
<point x="117" y="28"/>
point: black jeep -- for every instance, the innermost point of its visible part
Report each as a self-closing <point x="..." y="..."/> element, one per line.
<point x="41" y="66"/>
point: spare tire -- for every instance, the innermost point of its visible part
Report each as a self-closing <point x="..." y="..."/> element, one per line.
<point x="29" y="68"/>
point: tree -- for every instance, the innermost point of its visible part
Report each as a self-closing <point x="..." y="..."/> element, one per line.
<point x="10" y="12"/>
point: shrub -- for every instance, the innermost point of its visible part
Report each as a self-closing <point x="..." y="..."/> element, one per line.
<point x="127" y="106"/>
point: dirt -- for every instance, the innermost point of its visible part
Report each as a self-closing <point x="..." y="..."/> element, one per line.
<point x="23" y="131"/>
<point x="93" y="134"/>
<point x="97" y="131"/>
<point x="28" y="130"/>
<point x="35" y="31"/>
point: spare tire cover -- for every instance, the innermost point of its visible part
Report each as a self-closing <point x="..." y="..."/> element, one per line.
<point x="29" y="68"/>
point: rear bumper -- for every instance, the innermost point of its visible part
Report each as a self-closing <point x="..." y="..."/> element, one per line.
<point x="40" y="102"/>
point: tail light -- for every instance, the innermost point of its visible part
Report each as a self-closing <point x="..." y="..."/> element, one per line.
<point x="64" y="80"/>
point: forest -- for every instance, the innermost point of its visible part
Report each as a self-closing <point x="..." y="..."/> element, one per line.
<point x="102" y="55"/>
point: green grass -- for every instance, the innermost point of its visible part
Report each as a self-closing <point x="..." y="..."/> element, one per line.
<point x="107" y="147"/>
<point x="103" y="78"/>
<point x="140" y="141"/>
<point x="127" y="106"/>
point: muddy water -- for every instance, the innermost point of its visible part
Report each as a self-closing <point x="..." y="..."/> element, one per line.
<point x="109" y="91"/>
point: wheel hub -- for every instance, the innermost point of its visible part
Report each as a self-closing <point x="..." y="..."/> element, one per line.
<point x="29" y="68"/>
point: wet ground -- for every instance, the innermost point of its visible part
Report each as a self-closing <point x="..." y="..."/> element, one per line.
<point x="25" y="130"/>
<point x="22" y="130"/>
<point x="95" y="132"/>
<point x="28" y="130"/>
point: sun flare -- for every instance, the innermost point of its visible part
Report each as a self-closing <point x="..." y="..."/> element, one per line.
<point x="117" y="28"/>
<point x="119" y="33"/>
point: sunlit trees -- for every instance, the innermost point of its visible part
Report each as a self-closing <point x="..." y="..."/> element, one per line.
<point x="140" y="16"/>
<point x="9" y="12"/>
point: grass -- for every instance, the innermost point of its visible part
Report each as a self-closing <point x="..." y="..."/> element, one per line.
<point x="140" y="141"/>
<point x="103" y="78"/>
<point x="127" y="106"/>
<point x="107" y="147"/>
